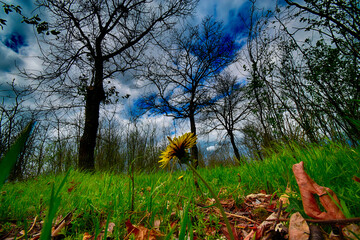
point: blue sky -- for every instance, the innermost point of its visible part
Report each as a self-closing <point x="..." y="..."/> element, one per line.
<point x="19" y="48"/>
<point x="17" y="38"/>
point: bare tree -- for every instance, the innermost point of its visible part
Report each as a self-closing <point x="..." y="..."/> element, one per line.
<point x="230" y="109"/>
<point x="14" y="116"/>
<point x="97" y="41"/>
<point x="194" y="55"/>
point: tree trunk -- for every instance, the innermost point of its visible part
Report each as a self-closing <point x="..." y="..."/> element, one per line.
<point x="88" y="139"/>
<point x="94" y="95"/>
<point x="194" y="150"/>
<point x="236" y="150"/>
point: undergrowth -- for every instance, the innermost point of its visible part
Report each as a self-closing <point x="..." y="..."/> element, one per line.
<point x="97" y="197"/>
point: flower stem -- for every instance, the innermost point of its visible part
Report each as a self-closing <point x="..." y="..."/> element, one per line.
<point x="218" y="204"/>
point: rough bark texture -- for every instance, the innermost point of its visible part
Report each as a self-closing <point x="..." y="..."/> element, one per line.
<point x="94" y="95"/>
<point x="236" y="150"/>
<point x="88" y="139"/>
<point x="194" y="150"/>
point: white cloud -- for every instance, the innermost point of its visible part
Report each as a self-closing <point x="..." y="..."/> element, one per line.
<point x="212" y="148"/>
<point x="224" y="10"/>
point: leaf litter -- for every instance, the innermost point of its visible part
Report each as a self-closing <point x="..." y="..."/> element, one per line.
<point x="260" y="216"/>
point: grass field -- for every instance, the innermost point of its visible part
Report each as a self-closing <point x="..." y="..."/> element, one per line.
<point x="161" y="200"/>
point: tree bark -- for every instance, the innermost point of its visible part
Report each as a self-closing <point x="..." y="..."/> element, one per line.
<point x="194" y="150"/>
<point x="236" y="150"/>
<point x="94" y="95"/>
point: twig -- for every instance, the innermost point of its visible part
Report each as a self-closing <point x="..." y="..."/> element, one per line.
<point x="279" y="213"/>
<point x="28" y="231"/>
<point x="239" y="216"/>
<point x="327" y="221"/>
<point x="65" y="221"/>
<point x="69" y="215"/>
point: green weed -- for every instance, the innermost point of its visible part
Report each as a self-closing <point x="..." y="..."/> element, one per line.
<point x="104" y="197"/>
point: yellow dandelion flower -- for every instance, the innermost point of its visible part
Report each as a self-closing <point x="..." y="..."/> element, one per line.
<point x="177" y="148"/>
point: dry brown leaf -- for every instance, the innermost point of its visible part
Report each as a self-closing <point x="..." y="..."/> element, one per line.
<point x="250" y="235"/>
<point x="262" y="228"/>
<point x="111" y="228"/>
<point x="210" y="231"/>
<point x="333" y="236"/>
<point x="351" y="231"/>
<point x="73" y="186"/>
<point x="308" y="188"/>
<point x="356" y="179"/>
<point x="298" y="228"/>
<point x="226" y="232"/>
<point x="228" y="203"/>
<point x="109" y="232"/>
<point x="87" y="236"/>
<point x="141" y="232"/>
<point x="285" y="197"/>
<point x="157" y="223"/>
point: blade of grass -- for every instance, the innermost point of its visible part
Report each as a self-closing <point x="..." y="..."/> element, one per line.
<point x="184" y="222"/>
<point x="354" y="234"/>
<point x="168" y="237"/>
<point x="345" y="209"/>
<point x="8" y="161"/>
<point x="338" y="205"/>
<point x="107" y="225"/>
<point x="53" y="207"/>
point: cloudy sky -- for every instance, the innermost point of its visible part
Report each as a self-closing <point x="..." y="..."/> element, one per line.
<point x="19" y="47"/>
<point x="18" y="43"/>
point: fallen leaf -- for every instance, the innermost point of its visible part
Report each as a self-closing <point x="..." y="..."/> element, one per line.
<point x="351" y="231"/>
<point x="250" y="235"/>
<point x="285" y="197"/>
<point x="228" y="203"/>
<point x="210" y="231"/>
<point x="157" y="223"/>
<point x="141" y="232"/>
<point x="315" y="233"/>
<point x="356" y="179"/>
<point x="258" y="233"/>
<point x="73" y="186"/>
<point x="281" y="228"/>
<point x="265" y="225"/>
<point x="111" y="227"/>
<point x="308" y="187"/>
<point x="109" y="232"/>
<point x="333" y="236"/>
<point x="298" y="228"/>
<point x="279" y="232"/>
<point x="226" y="232"/>
<point x="87" y="236"/>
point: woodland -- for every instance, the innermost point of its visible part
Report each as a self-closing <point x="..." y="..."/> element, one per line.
<point x="296" y="79"/>
<point x="284" y="89"/>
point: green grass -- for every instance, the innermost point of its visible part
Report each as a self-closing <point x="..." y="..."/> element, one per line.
<point x="106" y="197"/>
